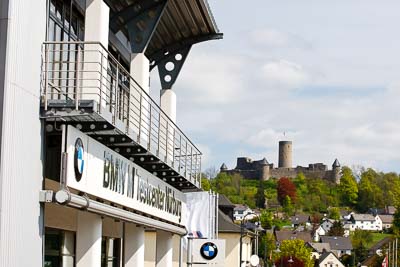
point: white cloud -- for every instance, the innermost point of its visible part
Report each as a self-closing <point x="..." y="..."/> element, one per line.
<point x="273" y="38"/>
<point x="285" y="73"/>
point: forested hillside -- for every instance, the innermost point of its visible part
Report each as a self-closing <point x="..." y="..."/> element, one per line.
<point x="370" y="189"/>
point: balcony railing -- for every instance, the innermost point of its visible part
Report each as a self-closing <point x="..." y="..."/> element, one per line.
<point x="77" y="73"/>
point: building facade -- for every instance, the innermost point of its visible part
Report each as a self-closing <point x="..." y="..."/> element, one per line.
<point x="93" y="171"/>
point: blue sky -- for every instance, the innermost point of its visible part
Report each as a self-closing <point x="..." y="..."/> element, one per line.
<point x="324" y="72"/>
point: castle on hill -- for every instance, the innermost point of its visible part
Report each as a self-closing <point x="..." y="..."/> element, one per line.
<point x="263" y="170"/>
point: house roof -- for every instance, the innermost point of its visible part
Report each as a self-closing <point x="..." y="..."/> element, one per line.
<point x="320" y="247"/>
<point x="225" y="224"/>
<point x="386" y="218"/>
<point x="224" y="201"/>
<point x="291" y="235"/>
<point x="363" y="217"/>
<point x="300" y="218"/>
<point x="240" y="207"/>
<point x="326" y="255"/>
<point x="391" y="209"/>
<point x="337" y="242"/>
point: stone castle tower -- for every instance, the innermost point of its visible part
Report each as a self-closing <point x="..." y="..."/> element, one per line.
<point x="285" y="154"/>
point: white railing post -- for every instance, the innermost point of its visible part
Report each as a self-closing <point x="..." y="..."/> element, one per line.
<point x="166" y="141"/>
<point x="77" y="90"/>
<point x="46" y="74"/>
<point x="101" y="81"/>
<point x="140" y="117"/>
<point x="149" y="135"/>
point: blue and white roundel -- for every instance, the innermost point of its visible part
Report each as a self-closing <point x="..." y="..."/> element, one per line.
<point x="79" y="162"/>
<point x="209" y="251"/>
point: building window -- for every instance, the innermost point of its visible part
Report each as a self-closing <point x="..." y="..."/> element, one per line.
<point x="66" y="22"/>
<point x="59" y="248"/>
<point x="110" y="252"/>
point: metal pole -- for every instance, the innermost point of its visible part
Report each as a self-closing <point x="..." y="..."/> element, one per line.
<point x="217" y="215"/>
<point x="189" y="252"/>
<point x="240" y="243"/>
<point x="180" y="251"/>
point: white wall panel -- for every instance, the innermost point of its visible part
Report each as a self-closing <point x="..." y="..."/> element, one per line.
<point x="20" y="158"/>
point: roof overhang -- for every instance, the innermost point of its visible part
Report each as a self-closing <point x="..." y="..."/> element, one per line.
<point x="177" y="24"/>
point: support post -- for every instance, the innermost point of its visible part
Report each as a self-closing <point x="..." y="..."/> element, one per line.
<point x="133" y="246"/>
<point x="164" y="249"/>
<point x="88" y="240"/>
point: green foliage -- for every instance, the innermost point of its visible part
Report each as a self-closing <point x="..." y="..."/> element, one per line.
<point x="260" y="196"/>
<point x="287" y="206"/>
<point x="336" y="229"/>
<point x="266" y="218"/>
<point x="266" y="245"/>
<point x="205" y="184"/>
<point x="360" y="240"/>
<point x="296" y="248"/>
<point x="396" y="222"/>
<point x="348" y="189"/>
<point x="312" y="195"/>
<point x="334" y="213"/>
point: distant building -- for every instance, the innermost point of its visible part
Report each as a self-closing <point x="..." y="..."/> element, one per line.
<point x="329" y="259"/>
<point x="292" y="235"/>
<point x="386" y="221"/>
<point x="339" y="245"/>
<point x="263" y="170"/>
<point x="230" y="232"/>
<point x="300" y="219"/>
<point x="366" y="222"/>
<point x="242" y="210"/>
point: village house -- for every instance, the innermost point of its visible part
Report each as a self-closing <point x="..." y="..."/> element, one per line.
<point x="339" y="245"/>
<point x="329" y="259"/>
<point x="366" y="222"/>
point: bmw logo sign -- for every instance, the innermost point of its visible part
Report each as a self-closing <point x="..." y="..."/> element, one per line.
<point x="209" y="251"/>
<point x="78" y="159"/>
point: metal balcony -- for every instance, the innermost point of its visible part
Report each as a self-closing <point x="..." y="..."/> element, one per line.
<point x="85" y="86"/>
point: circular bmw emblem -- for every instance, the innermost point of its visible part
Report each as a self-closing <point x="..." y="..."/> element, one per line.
<point x="209" y="251"/>
<point x="78" y="159"/>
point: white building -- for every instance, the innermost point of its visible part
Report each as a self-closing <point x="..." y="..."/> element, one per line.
<point x="240" y="211"/>
<point x="329" y="259"/>
<point x="93" y="170"/>
<point x="386" y="221"/>
<point x="366" y="222"/>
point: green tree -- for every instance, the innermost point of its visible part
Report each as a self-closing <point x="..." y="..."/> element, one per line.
<point x="288" y="206"/>
<point x="336" y="229"/>
<point x="297" y="249"/>
<point x="360" y="239"/>
<point x="334" y="213"/>
<point x="396" y="222"/>
<point x="266" y="218"/>
<point x="260" y="196"/>
<point x="348" y="189"/>
<point x="205" y="184"/>
<point x="370" y="194"/>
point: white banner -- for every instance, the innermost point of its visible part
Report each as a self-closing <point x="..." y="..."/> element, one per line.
<point x="99" y="171"/>
<point x="201" y="214"/>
